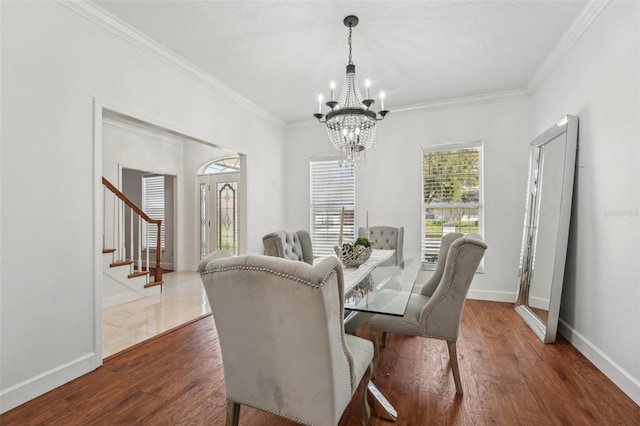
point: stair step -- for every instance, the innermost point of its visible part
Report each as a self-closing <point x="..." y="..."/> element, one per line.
<point x="137" y="274"/>
<point x="153" y="284"/>
<point x="104" y="251"/>
<point x="126" y="262"/>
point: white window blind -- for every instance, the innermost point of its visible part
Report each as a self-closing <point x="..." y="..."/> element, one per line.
<point x="153" y="206"/>
<point x="452" y="193"/>
<point x="332" y="188"/>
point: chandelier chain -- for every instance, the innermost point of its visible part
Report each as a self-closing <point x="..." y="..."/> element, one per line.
<point x="350" y="61"/>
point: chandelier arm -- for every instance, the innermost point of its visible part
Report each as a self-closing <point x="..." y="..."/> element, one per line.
<point x="351" y="111"/>
<point x="320" y="116"/>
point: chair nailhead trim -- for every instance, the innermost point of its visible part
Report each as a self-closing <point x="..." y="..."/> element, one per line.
<point x="270" y="271"/>
<point x="300" y="280"/>
<point x="268" y="411"/>
<point x="455" y="261"/>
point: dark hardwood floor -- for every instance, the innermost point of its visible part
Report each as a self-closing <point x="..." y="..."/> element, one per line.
<point x="509" y="378"/>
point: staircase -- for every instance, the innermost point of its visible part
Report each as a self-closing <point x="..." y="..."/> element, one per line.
<point x="125" y="263"/>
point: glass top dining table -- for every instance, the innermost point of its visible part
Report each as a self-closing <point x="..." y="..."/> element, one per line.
<point x="378" y="286"/>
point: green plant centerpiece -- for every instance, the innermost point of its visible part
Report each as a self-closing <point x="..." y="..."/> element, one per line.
<point x="354" y="254"/>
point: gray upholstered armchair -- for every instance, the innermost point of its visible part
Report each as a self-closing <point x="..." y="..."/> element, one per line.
<point x="282" y="340"/>
<point x="436" y="311"/>
<point x="387" y="238"/>
<point x="289" y="245"/>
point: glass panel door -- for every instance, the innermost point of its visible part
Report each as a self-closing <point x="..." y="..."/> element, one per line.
<point x="218" y="212"/>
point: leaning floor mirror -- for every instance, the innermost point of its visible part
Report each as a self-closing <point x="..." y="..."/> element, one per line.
<point x="546" y="227"/>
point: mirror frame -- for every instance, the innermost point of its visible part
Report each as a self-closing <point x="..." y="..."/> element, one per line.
<point x="546" y="331"/>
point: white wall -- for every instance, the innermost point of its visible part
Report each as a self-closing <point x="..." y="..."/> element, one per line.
<point x="169" y="154"/>
<point x="390" y="185"/>
<point x="51" y="76"/>
<point x="53" y="68"/>
<point x="599" y="81"/>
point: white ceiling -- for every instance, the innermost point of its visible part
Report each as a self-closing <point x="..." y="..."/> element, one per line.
<point x="282" y="54"/>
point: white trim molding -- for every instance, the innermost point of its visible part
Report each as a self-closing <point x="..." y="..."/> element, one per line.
<point x="36" y="386"/>
<point x="566" y="42"/>
<point x="116" y="26"/>
<point x="564" y="45"/>
<point x="621" y="378"/>
<point x="492" y="295"/>
<point x="461" y="102"/>
<point x="442" y="104"/>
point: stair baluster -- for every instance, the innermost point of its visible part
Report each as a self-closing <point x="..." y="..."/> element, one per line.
<point x="120" y="203"/>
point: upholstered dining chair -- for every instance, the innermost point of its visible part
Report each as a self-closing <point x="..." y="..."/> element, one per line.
<point x="357" y="319"/>
<point x="289" y="245"/>
<point x="435" y="312"/>
<point x="387" y="238"/>
<point x="217" y="254"/>
<point x="282" y="340"/>
<point x="428" y="287"/>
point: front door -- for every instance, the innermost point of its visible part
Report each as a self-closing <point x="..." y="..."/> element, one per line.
<point x="218" y="212"/>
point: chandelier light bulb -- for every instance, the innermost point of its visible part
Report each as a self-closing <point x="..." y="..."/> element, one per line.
<point x="333" y="87"/>
<point x="367" y="84"/>
<point x="382" y="101"/>
<point x="320" y="97"/>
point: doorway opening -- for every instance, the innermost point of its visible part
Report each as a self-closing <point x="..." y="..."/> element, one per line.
<point x="133" y="148"/>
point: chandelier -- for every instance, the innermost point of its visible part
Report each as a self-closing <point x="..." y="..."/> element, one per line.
<point x="351" y="123"/>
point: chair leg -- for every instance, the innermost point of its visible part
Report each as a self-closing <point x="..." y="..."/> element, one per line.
<point x="453" y="360"/>
<point x="364" y="390"/>
<point x="233" y="413"/>
<point x="384" y="339"/>
<point x="373" y="336"/>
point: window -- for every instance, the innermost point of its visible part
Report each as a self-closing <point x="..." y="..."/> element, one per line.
<point x="452" y="193"/>
<point x="153" y="206"/>
<point x="224" y="165"/>
<point x="332" y="188"/>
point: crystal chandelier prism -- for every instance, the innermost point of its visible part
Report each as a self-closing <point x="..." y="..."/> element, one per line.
<point x="351" y="122"/>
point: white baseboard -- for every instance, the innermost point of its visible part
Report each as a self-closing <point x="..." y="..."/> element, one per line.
<point x="621" y="378"/>
<point x="188" y="267"/>
<point x="29" y="389"/>
<point x="538" y="302"/>
<point x="492" y="296"/>
<point x="119" y="299"/>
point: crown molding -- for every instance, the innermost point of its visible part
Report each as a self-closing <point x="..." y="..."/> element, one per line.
<point x="99" y="16"/>
<point x="566" y="42"/>
<point x="116" y="26"/>
<point x="461" y="102"/>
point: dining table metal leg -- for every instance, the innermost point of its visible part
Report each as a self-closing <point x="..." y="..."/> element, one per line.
<point x="391" y="412"/>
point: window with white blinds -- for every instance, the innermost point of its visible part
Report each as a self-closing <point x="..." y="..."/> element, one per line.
<point x="332" y="188"/>
<point x="153" y="206"/>
<point x="452" y="193"/>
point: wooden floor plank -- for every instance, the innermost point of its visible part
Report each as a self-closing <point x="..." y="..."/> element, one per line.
<point x="509" y="378"/>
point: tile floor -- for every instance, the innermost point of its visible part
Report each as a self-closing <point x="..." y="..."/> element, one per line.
<point x="182" y="300"/>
